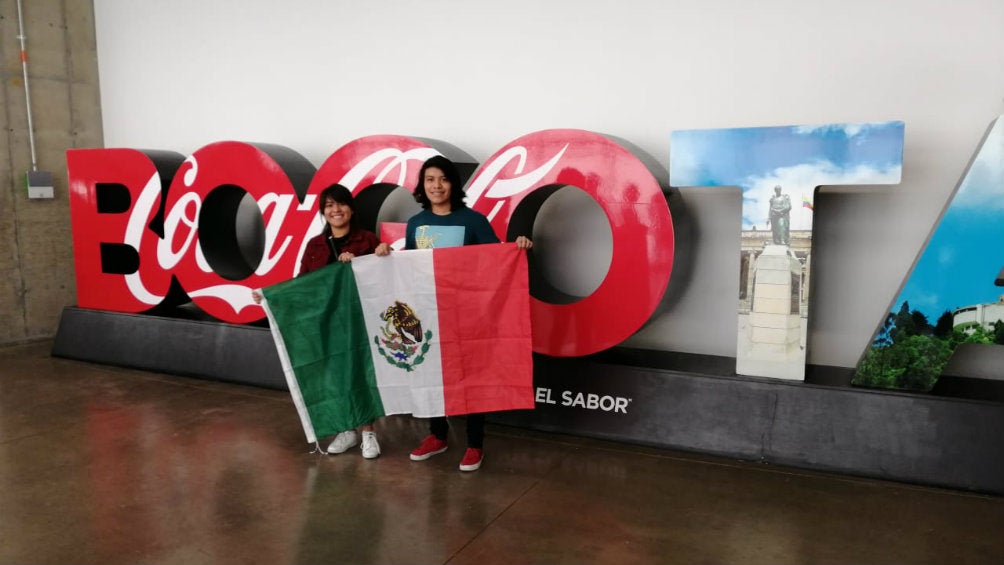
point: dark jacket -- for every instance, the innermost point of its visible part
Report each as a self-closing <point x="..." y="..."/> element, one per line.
<point x="318" y="251"/>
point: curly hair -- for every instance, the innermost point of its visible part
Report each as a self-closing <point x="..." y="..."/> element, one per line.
<point x="451" y="174"/>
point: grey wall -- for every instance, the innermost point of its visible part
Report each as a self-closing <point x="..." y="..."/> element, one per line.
<point x="318" y="76"/>
<point x="36" y="251"/>
<point x="182" y="74"/>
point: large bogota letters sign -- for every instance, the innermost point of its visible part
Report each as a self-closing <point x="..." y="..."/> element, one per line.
<point x="152" y="228"/>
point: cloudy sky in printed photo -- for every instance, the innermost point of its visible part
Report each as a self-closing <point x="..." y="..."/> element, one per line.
<point x="965" y="253"/>
<point x="798" y="158"/>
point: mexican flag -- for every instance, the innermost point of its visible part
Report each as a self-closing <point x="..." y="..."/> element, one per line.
<point x="429" y="332"/>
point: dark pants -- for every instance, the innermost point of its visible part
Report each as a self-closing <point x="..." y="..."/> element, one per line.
<point x="440" y="427"/>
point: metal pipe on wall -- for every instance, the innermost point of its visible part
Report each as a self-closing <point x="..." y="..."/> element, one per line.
<point x="27" y="89"/>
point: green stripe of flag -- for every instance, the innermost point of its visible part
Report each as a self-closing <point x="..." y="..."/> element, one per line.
<point x="321" y="324"/>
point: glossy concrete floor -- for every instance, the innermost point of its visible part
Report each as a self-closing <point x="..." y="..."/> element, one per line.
<point x="108" y="465"/>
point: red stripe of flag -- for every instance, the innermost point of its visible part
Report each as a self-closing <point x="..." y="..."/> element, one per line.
<point x="484" y="328"/>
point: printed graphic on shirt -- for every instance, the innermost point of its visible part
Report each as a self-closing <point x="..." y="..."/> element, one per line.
<point x="438" y="237"/>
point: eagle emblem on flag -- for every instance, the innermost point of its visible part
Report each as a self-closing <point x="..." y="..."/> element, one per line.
<point x="401" y="334"/>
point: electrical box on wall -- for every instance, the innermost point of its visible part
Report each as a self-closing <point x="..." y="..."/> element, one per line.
<point x="39" y="184"/>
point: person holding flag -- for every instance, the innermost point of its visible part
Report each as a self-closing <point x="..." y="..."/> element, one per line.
<point x="342" y="240"/>
<point x="446" y="221"/>
<point x="442" y="330"/>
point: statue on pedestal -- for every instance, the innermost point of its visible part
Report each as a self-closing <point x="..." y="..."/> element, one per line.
<point x="780" y="208"/>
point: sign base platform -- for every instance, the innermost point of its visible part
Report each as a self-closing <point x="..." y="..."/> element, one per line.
<point x="662" y="399"/>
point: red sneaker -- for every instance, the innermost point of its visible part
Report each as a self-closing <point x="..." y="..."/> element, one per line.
<point x="431" y="445"/>
<point x="472" y="459"/>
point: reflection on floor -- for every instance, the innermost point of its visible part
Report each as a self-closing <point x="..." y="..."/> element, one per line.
<point x="107" y="465"/>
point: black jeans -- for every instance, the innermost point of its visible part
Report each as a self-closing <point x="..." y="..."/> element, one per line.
<point x="440" y="427"/>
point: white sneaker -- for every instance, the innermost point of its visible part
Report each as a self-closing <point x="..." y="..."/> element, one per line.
<point x="370" y="447"/>
<point x="343" y="441"/>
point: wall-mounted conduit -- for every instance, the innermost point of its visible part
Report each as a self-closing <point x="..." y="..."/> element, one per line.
<point x="38" y="183"/>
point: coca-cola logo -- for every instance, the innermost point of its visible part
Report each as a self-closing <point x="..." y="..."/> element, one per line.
<point x="154" y="227"/>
